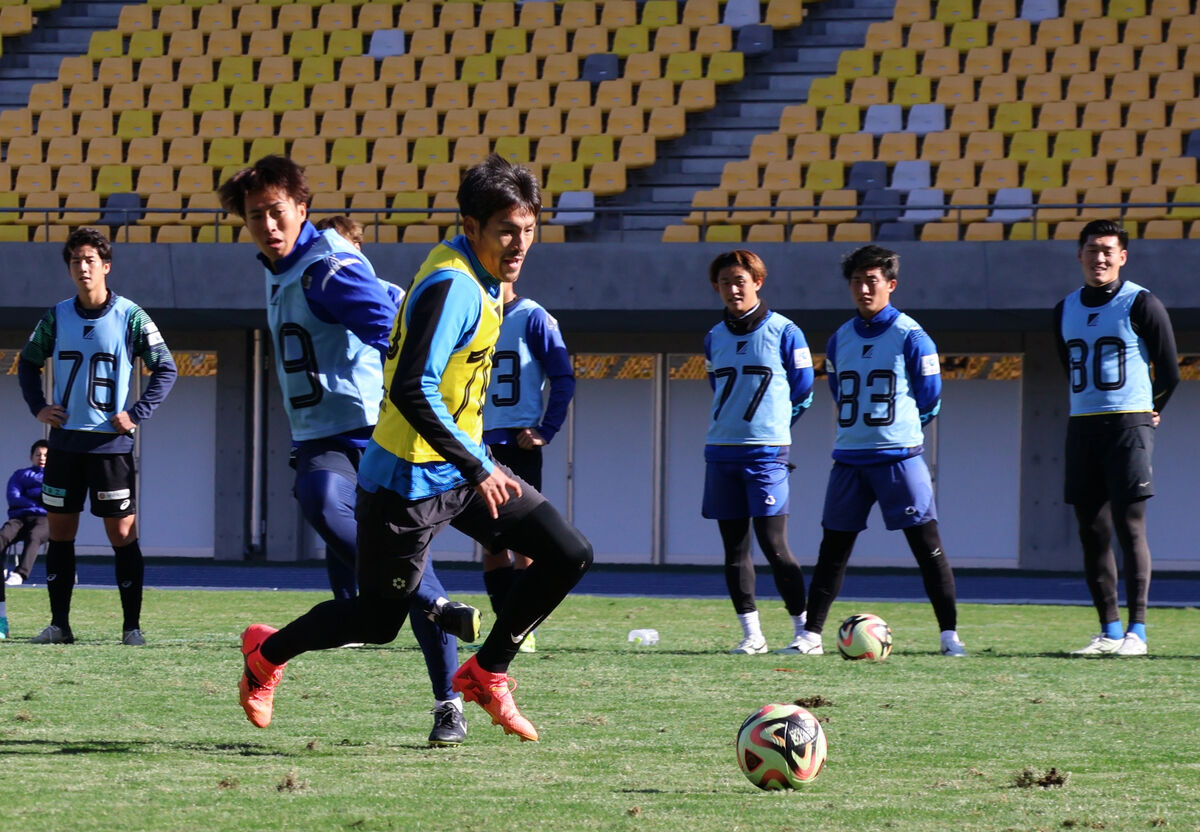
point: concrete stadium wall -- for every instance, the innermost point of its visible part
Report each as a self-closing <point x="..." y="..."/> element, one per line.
<point x="631" y="477"/>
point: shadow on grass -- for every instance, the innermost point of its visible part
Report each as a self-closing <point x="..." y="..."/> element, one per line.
<point x="240" y="749"/>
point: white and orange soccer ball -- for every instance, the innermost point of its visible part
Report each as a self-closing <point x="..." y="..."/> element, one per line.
<point x="864" y="636"/>
<point x="781" y="747"/>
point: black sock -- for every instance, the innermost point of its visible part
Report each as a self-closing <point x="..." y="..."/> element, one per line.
<point x="60" y="581"/>
<point x="561" y="555"/>
<point x="131" y="573"/>
<point x="498" y="583"/>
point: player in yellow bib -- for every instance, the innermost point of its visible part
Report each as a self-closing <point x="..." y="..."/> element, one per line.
<point x="426" y="466"/>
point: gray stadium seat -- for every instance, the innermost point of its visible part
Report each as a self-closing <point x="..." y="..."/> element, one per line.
<point x="880" y="205"/>
<point x="385" y="42"/>
<point x="1038" y="10"/>
<point x="924" y="205"/>
<point x="926" y="118"/>
<point x="883" y="118"/>
<point x="739" y="13"/>
<point x="574" y="208"/>
<point x="600" y="67"/>
<point x="121" y="209"/>
<point x="865" y="176"/>
<point x="1020" y="198"/>
<point x="910" y="175"/>
<point x="896" y="232"/>
<point x="755" y="40"/>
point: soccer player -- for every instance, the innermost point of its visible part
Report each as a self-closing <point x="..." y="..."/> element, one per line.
<point x="761" y="371"/>
<point x="426" y="467"/>
<point x="529" y="352"/>
<point x="329" y="317"/>
<point x="885" y="377"/>
<point x="1110" y="332"/>
<point x="93" y="339"/>
<point x="26" y="514"/>
<point x="349" y="228"/>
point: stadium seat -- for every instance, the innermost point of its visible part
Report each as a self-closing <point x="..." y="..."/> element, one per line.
<point x="385" y="42"/>
<point x="913" y="90"/>
<point x="854" y="147"/>
<point x="1011" y="205"/>
<point x="880" y="205"/>
<point x="755" y="40"/>
<point x="984" y="145"/>
<point x="781" y="176"/>
<point x="883" y="118"/>
<point x="895" y="147"/>
<point x="926" y="118"/>
<point x="895" y="232"/>
<point x="1057" y="116"/>
<point x="602" y="67"/>
<point x="942" y="146"/>
<point x="955" y="174"/>
<point x="911" y="175"/>
<point x="822" y="176"/>
<point x="924" y="205"/>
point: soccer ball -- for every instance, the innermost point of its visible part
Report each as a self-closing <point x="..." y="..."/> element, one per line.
<point x="781" y="747"/>
<point x="864" y="636"/>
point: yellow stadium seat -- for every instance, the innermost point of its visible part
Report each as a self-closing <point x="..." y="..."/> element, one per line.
<point x="1130" y="86"/>
<point x="856" y="63"/>
<point x="823" y="92"/>
<point x="468" y="150"/>
<point x="95" y="123"/>
<point x="867" y="91"/>
<point x="1185" y="193"/>
<point x="190" y="44"/>
<point x="82" y="208"/>
<point x="215" y="124"/>
<point x="1178" y="85"/>
<point x="1186" y="115"/>
<point x="419" y="122"/>
<point x="941" y="146"/>
<point x="1072" y="144"/>
<point x="964" y="197"/>
<point x="110" y="71"/>
<point x="1025" y="61"/>
<point x="1067" y="197"/>
<point x="715" y="198"/>
<point x="305" y="43"/>
<point x="810" y="232"/>
<point x="1137" y="172"/>
<point x="1117" y="144"/>
<point x="955" y="90"/>
<point x="146" y="44"/>
<point x="1042" y="173"/>
<point x="1171" y="229"/>
<point x="782" y="175"/>
<point x="1158" y="58"/>
<point x="667" y="122"/>
<point x="813" y="147"/>
<point x="1176" y="172"/>
<point x="671" y="39"/>
<point x="912" y="90"/>
<point x="955" y="174"/>
<point x="1058" y="115"/>
<point x="510" y="41"/>
<point x="1029" y="231"/>
<point x="583" y="121"/>
<point x="1027" y="145"/>
<point x="1163" y="143"/>
<point x="560" y="67"/>
<point x="397" y="69"/>
<point x="637" y="151"/>
<point x="995" y="174"/>
<point x="725" y="67"/>
<point x="28" y="150"/>
<point x="53" y="123"/>
<point x="430" y="150"/>
<point x="175" y="18"/>
<point x="308" y="151"/>
<point x="451" y="95"/>
<point x="1086" y="87"/>
<point x="543" y="121"/>
<point x="441" y="176"/>
<point x="502" y="121"/>
<point x="251" y="95"/>
<point x="102" y="150"/>
<point x="284" y="97"/>
<point x="765" y="233"/>
<point x="372" y="95"/>
<point x="294" y="17"/>
<point x="80" y="68"/>
<point x="266" y="146"/>
<point x="783" y="14"/>
<point x="415" y="15"/>
<point x="939" y="232"/>
<point x="228" y="150"/>
<point x="1115" y="59"/>
<point x="134" y="19"/>
<point x="593" y="149"/>
<point x="713" y="39"/>
<point x="625" y="121"/>
<point x="824" y="176"/>
<point x="1012" y="117"/>
<point x="997" y="89"/>
<point x="769" y="147"/>
<point x="1088" y="173"/>
<point x="513" y="148"/>
<point x="854" y="147"/>
<point x="348" y="150"/>
<point x="277" y="69"/>
<point x="215" y="17"/>
<point x="112" y="179"/>
<point x="967" y="34"/>
<point x="46" y="95"/>
<point x="362" y="177"/>
<point x="897" y="147"/>
<point x="1055" y="33"/>
<point x="984" y="60"/>
<point x="684" y="67"/>
<point x="788" y="206"/>
<point x="617" y="93"/>
<point x="940" y="62"/>
<point x="831" y="201"/>
<point x="698" y="94"/>
<point x="1170" y="8"/>
<point x="578" y="14"/>
<point x="529" y="95"/>
<point x="1042" y="88"/>
<point x="478" y="69"/>
<point x="607" y="178"/>
<point x="105" y="44"/>
<point x="798" y="118"/>
<point x="983" y="145"/>
<point x="841" y="118"/>
<point x="461" y="122"/>
<point x="884" y="34"/>
<point x="1101" y="115"/>
<point x="681" y="234"/>
<point x="1098" y="31"/>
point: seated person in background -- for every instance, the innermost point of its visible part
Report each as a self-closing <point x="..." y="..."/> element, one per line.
<point x="26" y="514"/>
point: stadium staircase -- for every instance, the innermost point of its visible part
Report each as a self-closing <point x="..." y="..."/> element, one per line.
<point x="59" y="33"/>
<point x="748" y="108"/>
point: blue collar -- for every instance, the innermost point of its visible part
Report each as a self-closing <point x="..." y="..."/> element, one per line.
<point x="877" y="325"/>
<point x="308" y="236"/>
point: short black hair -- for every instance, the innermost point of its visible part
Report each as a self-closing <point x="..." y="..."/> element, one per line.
<point x="496" y="184"/>
<point x="268" y="172"/>
<point x="866" y="258"/>
<point x="93" y="237"/>
<point x="1104" y="228"/>
<point x="41" y="443"/>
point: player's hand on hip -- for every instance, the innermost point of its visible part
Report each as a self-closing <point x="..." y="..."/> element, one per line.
<point x="496" y="490"/>
<point x="123" y="423"/>
<point x="52" y="414"/>
<point x="529" y="438"/>
<point x="1154" y="418"/>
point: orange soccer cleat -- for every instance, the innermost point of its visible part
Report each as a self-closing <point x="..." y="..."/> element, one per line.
<point x="493" y="693"/>
<point x="256" y="689"/>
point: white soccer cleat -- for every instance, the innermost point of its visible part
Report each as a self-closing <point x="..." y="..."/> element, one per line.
<point x="751" y="646"/>
<point x="1131" y="645"/>
<point x="1100" y="645"/>
<point x="14" y="579"/>
<point x="953" y="648"/>
<point x="805" y="645"/>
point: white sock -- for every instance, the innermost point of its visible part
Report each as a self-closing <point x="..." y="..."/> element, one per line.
<point x="455" y="703"/>
<point x="950" y="637"/>
<point x="809" y="635"/>
<point x="798" y="622"/>
<point x="750" y="625"/>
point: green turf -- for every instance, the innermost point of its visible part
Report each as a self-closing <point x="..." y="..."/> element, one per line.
<point x="97" y="736"/>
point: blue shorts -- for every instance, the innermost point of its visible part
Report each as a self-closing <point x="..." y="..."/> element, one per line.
<point x="734" y="490"/>
<point x="903" y="490"/>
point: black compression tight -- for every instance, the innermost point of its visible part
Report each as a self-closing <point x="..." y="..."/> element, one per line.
<point x="1096" y="526"/>
<point x="771" y="533"/>
<point x="926" y="545"/>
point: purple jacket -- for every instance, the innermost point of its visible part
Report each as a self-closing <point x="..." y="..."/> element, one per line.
<point x="25" y="492"/>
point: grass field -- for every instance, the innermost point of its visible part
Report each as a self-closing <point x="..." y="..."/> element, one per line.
<point x="95" y="736"/>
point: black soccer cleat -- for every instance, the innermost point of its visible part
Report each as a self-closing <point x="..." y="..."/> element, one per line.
<point x="449" y="726"/>
<point x="459" y="620"/>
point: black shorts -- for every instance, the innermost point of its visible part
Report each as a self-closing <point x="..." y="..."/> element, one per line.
<point x="394" y="533"/>
<point x="1104" y="466"/>
<point x="526" y="464"/>
<point x="109" y="479"/>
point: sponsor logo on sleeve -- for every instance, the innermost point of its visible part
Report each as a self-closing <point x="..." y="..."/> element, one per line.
<point x="930" y="366"/>
<point x="153" y="336"/>
<point x="802" y="357"/>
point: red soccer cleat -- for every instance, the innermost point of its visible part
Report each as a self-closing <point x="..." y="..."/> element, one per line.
<point x="256" y="688"/>
<point x="494" y="695"/>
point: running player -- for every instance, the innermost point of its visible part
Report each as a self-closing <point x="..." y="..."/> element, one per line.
<point x="761" y="371"/>
<point x="885" y="376"/>
<point x="93" y="339"/>
<point x="529" y="351"/>
<point x="426" y="467"/>
<point x="329" y="317"/>
<point x="1110" y="332"/>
